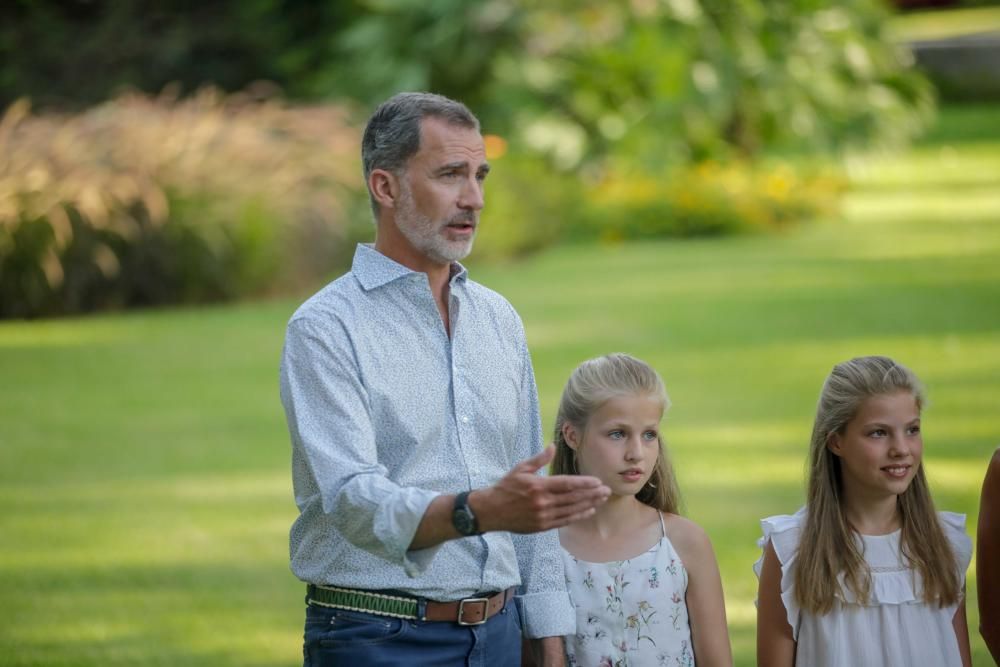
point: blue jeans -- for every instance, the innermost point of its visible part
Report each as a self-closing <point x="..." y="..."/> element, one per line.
<point x="336" y="637"/>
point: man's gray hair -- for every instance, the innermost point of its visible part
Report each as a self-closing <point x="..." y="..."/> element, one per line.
<point x="392" y="135"/>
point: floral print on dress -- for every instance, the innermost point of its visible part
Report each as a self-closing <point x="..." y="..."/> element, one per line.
<point x="631" y="612"/>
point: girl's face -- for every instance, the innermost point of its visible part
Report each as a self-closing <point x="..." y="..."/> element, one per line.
<point x="620" y="443"/>
<point x="881" y="448"/>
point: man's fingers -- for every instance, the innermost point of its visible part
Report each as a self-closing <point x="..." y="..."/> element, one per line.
<point x="536" y="462"/>
<point x="566" y="513"/>
<point x="554" y="519"/>
<point x="570" y="483"/>
<point x="566" y="520"/>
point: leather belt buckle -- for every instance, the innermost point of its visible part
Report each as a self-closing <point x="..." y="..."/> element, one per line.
<point x="482" y="616"/>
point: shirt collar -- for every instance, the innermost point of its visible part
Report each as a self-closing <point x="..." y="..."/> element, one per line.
<point x="373" y="269"/>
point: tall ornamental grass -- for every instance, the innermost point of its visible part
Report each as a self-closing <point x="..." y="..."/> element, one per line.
<point x="152" y="200"/>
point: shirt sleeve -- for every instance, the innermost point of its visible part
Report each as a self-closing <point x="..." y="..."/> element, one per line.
<point x="544" y="604"/>
<point x="335" y="461"/>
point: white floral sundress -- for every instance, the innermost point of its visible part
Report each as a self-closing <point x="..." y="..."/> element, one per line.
<point x="630" y="612"/>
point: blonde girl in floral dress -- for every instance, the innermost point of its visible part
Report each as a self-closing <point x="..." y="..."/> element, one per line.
<point x="644" y="580"/>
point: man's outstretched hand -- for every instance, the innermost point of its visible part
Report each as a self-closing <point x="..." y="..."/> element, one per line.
<point x="525" y="502"/>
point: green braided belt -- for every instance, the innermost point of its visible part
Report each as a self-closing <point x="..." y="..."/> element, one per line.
<point x="469" y="611"/>
<point x="353" y="600"/>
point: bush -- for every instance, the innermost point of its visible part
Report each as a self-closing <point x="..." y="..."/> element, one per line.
<point x="145" y="201"/>
<point x="707" y="199"/>
<point x="683" y="81"/>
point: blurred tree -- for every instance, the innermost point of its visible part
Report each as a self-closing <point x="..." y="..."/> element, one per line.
<point x="448" y="46"/>
<point x="644" y="80"/>
<point x="682" y="80"/>
<point x="74" y="53"/>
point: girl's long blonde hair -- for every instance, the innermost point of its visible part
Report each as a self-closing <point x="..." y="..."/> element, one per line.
<point x="828" y="545"/>
<point x="593" y="383"/>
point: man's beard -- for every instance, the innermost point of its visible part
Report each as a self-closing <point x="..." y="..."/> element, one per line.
<point x="425" y="234"/>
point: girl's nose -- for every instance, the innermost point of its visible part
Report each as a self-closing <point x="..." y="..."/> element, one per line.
<point x="633" y="450"/>
<point x="899" y="445"/>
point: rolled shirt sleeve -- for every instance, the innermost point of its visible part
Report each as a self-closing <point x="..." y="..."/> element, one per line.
<point x="334" y="443"/>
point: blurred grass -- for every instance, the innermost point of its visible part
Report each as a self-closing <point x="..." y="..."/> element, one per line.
<point x="943" y="24"/>
<point x="144" y="465"/>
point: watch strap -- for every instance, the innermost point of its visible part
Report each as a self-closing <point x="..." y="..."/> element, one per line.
<point x="462" y="508"/>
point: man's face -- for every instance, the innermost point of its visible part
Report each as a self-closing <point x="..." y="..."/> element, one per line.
<point x="441" y="191"/>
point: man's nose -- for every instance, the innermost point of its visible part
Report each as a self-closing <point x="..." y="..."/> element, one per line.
<point x="472" y="197"/>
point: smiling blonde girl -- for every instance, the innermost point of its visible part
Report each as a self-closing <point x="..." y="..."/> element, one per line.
<point x="644" y="580"/>
<point x="867" y="573"/>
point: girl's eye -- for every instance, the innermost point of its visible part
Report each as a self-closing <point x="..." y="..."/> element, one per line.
<point x="616" y="435"/>
<point x="877" y="433"/>
<point x="913" y="430"/>
<point x="650" y="435"/>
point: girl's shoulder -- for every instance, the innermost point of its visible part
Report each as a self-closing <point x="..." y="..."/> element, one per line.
<point x="688" y="538"/>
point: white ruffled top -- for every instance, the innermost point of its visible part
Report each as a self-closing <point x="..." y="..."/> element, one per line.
<point x="895" y="628"/>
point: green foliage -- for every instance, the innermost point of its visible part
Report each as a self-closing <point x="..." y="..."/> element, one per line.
<point x="707" y="199"/>
<point x="684" y="80"/>
<point x="446" y="46"/>
<point x="677" y="80"/>
<point x="148" y="44"/>
<point x="143" y="201"/>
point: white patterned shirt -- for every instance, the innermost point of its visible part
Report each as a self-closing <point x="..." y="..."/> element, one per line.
<point x="386" y="412"/>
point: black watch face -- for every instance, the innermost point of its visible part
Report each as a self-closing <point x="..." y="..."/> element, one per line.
<point x="464" y="522"/>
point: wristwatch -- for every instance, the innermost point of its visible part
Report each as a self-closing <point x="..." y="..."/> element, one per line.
<point x="462" y="517"/>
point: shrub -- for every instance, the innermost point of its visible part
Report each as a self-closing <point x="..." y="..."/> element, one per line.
<point x="156" y="200"/>
<point x="707" y="199"/>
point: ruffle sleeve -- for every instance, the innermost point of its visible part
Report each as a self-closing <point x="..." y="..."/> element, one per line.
<point x="953" y="525"/>
<point x="783" y="532"/>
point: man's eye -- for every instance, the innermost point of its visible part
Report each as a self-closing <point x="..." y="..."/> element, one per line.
<point x="617" y="435"/>
<point x="650" y="435"/>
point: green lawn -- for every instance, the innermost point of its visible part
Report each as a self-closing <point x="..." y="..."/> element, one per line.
<point x="144" y="465"/>
<point x="943" y="24"/>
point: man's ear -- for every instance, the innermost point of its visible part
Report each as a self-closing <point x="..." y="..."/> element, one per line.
<point x="570" y="435"/>
<point x="384" y="187"/>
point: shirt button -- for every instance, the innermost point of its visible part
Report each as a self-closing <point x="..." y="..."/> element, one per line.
<point x="465" y="420"/>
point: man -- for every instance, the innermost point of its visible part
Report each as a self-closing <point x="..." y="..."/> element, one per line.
<point x="410" y="400"/>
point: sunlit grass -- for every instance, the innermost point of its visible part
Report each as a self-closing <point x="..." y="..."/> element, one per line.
<point x="930" y="25"/>
<point x="144" y="463"/>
